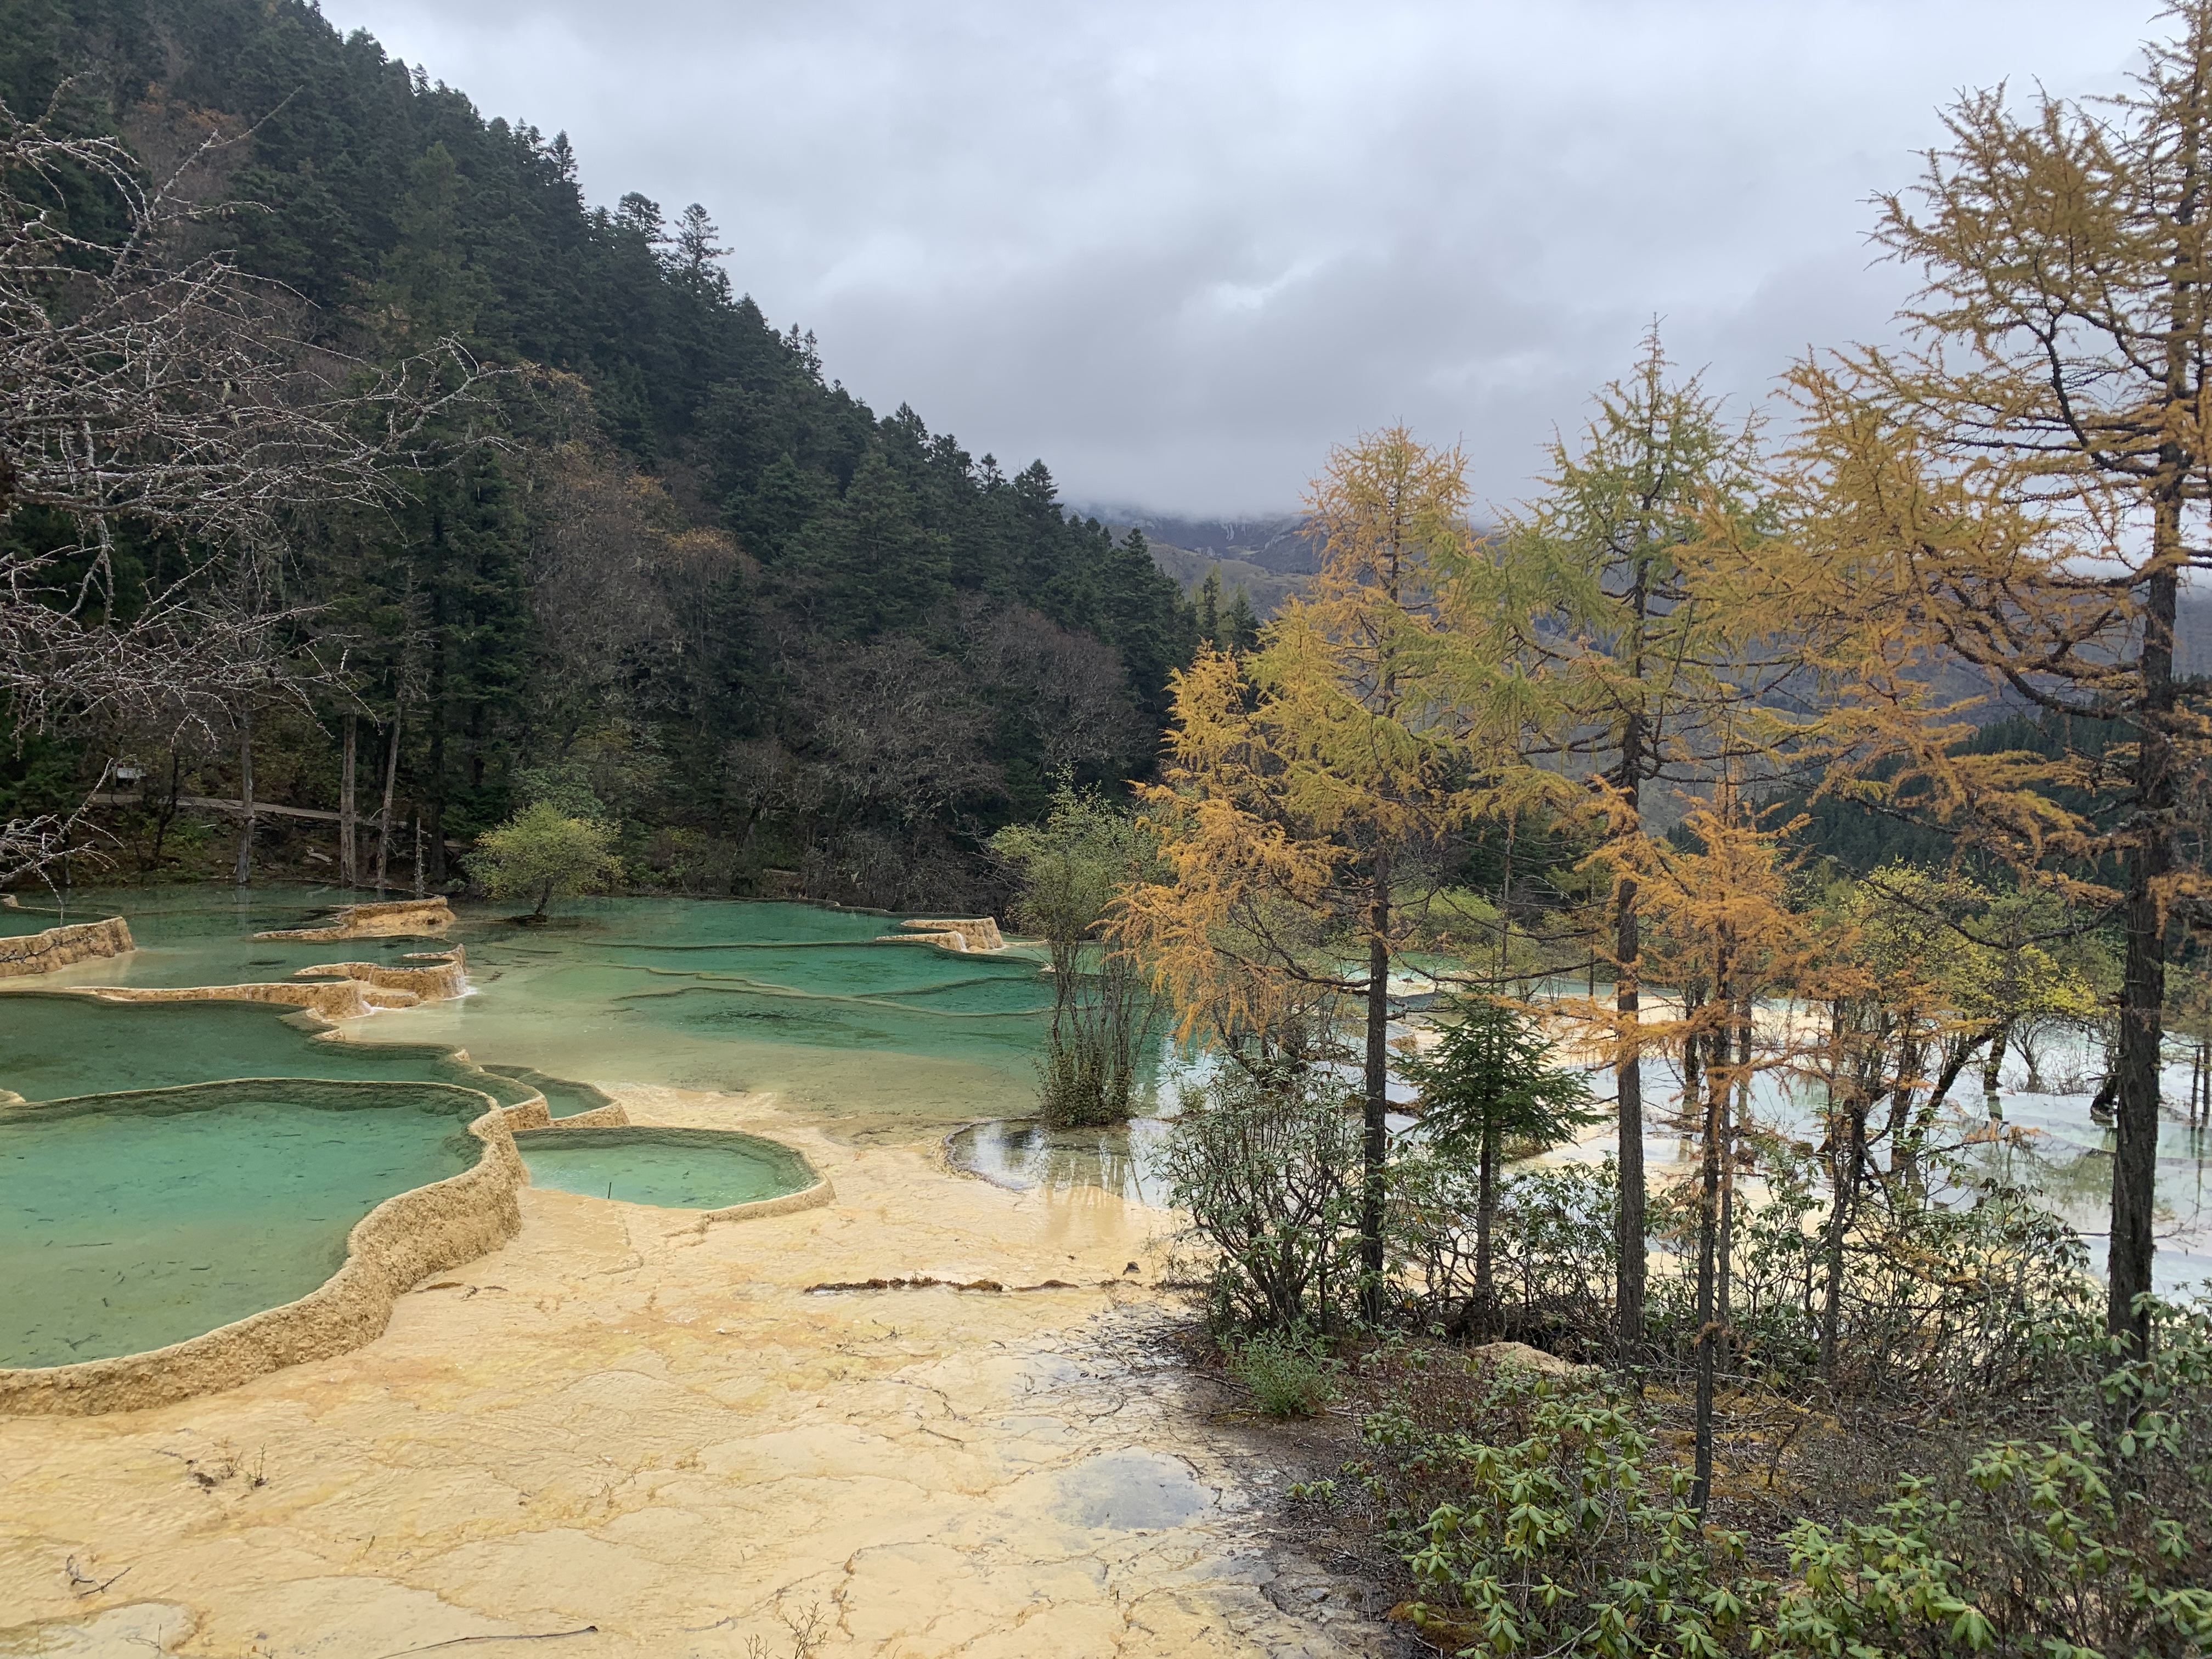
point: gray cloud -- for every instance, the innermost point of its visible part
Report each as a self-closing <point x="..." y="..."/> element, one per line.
<point x="1178" y="250"/>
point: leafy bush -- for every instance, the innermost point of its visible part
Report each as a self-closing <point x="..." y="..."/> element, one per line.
<point x="1563" y="1535"/>
<point x="1288" y="1372"/>
<point x="1542" y="1516"/>
<point x="1266" y="1166"/>
<point x="543" y="852"/>
<point x="1551" y="1246"/>
<point x="1944" y="1302"/>
<point x="1072" y="869"/>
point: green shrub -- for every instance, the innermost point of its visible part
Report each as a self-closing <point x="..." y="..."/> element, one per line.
<point x="1073" y="868"/>
<point x="1538" y="1517"/>
<point x="542" y="852"/>
<point x="1562" y="1535"/>
<point x="1267" y="1168"/>
<point x="1289" y="1372"/>
<point x="1551" y="1246"/>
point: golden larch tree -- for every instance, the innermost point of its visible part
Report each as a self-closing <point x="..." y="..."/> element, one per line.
<point x="2021" y="488"/>
<point x="1310" y="785"/>
<point x="1594" y="632"/>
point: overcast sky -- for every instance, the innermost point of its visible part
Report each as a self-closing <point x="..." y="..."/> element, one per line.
<point x="1179" y="249"/>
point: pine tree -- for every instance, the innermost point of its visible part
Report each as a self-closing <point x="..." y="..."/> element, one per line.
<point x="1239" y="628"/>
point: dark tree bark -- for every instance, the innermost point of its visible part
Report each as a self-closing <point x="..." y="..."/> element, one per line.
<point x="2143" y="981"/>
<point x="1374" y="1145"/>
<point x="348" y="861"/>
<point x="1707" y="1343"/>
<point x="384" y="816"/>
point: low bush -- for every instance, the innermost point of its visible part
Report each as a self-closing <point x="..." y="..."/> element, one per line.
<point x="1550" y="1516"/>
<point x="1266" y="1165"/>
<point x="1289" y="1372"/>
<point x="1543" y="1522"/>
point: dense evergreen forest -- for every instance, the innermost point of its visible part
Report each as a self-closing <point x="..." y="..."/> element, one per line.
<point x="668" y="564"/>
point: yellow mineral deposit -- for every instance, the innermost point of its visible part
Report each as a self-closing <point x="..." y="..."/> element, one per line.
<point x="63" y="947"/>
<point x="631" y="1433"/>
<point x="962" y="934"/>
<point x="390" y="919"/>
<point x="336" y="990"/>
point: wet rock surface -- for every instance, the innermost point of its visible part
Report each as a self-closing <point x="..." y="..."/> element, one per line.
<point x="623" y="1436"/>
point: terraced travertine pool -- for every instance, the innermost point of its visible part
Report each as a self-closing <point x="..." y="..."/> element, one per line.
<point x="886" y="1039"/>
<point x="669" y="1169"/>
<point x="880" y="1041"/>
<point x="116" y="1198"/>
<point x="128" y="1222"/>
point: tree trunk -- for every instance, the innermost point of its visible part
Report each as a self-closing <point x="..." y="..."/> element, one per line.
<point x="436" y="792"/>
<point x="1709" y="1184"/>
<point x="349" y="868"/>
<point x="1629" y="1223"/>
<point x="169" y="810"/>
<point x="2143" y="981"/>
<point x="2150" y="859"/>
<point x="244" y="872"/>
<point x="1847" y="1160"/>
<point x="1629" y="1208"/>
<point x="1993" y="1068"/>
<point x="1731" y="1126"/>
<point x="1485" y="1216"/>
<point x="1375" y="1145"/>
<point x="384" y="816"/>
<point x="1628" y="1070"/>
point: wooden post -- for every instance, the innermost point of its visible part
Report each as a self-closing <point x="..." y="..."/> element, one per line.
<point x="348" y="870"/>
<point x="244" y="870"/>
<point x="384" y="818"/>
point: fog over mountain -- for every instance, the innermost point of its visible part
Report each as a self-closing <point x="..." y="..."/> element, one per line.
<point x="1179" y="251"/>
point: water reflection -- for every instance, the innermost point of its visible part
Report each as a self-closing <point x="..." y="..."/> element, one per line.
<point x="1025" y="1155"/>
<point x="1126" y="1159"/>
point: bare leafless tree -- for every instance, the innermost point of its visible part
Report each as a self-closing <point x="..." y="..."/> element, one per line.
<point x="153" y="392"/>
<point x="1073" y="694"/>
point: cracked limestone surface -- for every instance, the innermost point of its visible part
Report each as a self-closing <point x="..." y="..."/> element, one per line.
<point x="625" y="1433"/>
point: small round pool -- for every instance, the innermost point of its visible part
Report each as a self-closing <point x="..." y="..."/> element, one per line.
<point x="673" y="1168"/>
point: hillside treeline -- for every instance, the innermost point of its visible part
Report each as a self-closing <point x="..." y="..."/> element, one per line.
<point x="663" y="561"/>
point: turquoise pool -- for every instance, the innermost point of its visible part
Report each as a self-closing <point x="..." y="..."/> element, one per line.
<point x="131" y="1222"/>
<point x="675" y="1169"/>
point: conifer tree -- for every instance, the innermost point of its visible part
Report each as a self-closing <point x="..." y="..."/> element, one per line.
<point x="1309" y="786"/>
<point x="1240" y="628"/>
<point x="2021" y="488"/>
<point x="1491" y="1078"/>
<point x="1592" y="626"/>
<point x="1209" y="610"/>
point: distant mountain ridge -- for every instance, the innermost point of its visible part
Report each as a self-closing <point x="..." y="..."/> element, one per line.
<point x="1270" y="556"/>
<point x="1277" y="541"/>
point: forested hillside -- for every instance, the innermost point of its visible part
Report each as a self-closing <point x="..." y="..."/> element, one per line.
<point x="670" y="563"/>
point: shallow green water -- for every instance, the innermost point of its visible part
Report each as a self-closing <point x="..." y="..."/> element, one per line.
<point x="678" y="1169"/>
<point x="127" y="1229"/>
<point x="54" y="1045"/>
<point x="16" y="921"/>
<point x="128" y="1224"/>
<point x="883" y="1040"/>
